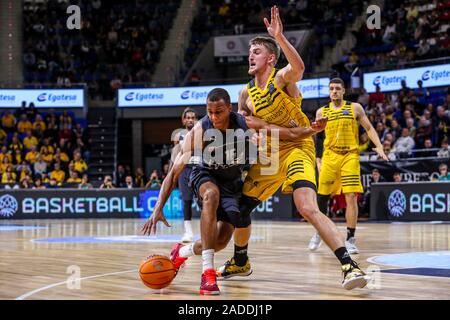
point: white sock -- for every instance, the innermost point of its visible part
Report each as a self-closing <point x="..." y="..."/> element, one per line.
<point x="187" y="251"/>
<point x="208" y="259"/>
<point x="188" y="227"/>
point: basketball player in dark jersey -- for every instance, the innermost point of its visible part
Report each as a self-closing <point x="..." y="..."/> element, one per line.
<point x="216" y="182"/>
<point x="189" y="119"/>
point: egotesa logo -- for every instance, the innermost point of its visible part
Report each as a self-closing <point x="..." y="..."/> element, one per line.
<point x="426" y="75"/>
<point x="377" y="81"/>
<point x="42" y="97"/>
<point x="129" y="96"/>
<point x="185" y="95"/>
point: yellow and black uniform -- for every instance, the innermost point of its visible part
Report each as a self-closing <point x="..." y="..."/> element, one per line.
<point x="340" y="169"/>
<point x="293" y="160"/>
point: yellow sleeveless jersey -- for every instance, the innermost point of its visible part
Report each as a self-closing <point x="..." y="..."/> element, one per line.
<point x="275" y="106"/>
<point x="341" y="132"/>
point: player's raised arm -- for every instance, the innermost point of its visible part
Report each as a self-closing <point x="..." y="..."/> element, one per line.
<point x="371" y="132"/>
<point x="170" y="182"/>
<point x="293" y="72"/>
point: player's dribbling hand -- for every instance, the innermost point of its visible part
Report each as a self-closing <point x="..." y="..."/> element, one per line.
<point x="275" y="27"/>
<point x="381" y="153"/>
<point x="319" y="125"/>
<point x="150" y="226"/>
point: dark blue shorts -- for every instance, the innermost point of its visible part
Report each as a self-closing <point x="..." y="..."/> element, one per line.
<point x="230" y="192"/>
<point x="183" y="184"/>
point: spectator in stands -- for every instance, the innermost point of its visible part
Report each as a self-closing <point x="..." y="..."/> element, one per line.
<point x="52" y="130"/>
<point x="195" y="78"/>
<point x="442" y="122"/>
<point x="58" y="174"/>
<point x="444" y="152"/>
<point x="404" y="145"/>
<point x="424" y="132"/>
<point x="396" y="129"/>
<point x="39" y="122"/>
<point x="60" y="155"/>
<point x="53" y="183"/>
<point x="40" y="166"/>
<point x="85" y="183"/>
<point x="444" y="175"/>
<point x="129" y="184"/>
<point x="421" y="93"/>
<point x="38" y="184"/>
<point x="140" y="178"/>
<point x="24" y="124"/>
<point x="74" y="178"/>
<point x="375" y="178"/>
<point x="153" y="182"/>
<point x="46" y="156"/>
<point x="3" y="136"/>
<point x="363" y="98"/>
<point x="30" y="141"/>
<point x="9" y="176"/>
<point x="25" y="183"/>
<point x="5" y="164"/>
<point x="65" y="133"/>
<point x="364" y="142"/>
<point x="377" y="96"/>
<point x="80" y="165"/>
<point x="387" y="150"/>
<point x="397" y="177"/>
<point x="5" y="153"/>
<point x="65" y="120"/>
<point x="107" y="183"/>
<point x="428" y="152"/>
<point x="411" y="127"/>
<point x="120" y="176"/>
<point x="32" y="155"/>
<point x="17" y="157"/>
<point x="9" y="121"/>
<point x="15" y="143"/>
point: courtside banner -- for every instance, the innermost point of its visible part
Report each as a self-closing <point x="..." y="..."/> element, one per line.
<point x="190" y="96"/>
<point x="432" y="76"/>
<point x="42" y="98"/>
<point x="108" y="203"/>
<point x="419" y="201"/>
<point x="237" y="45"/>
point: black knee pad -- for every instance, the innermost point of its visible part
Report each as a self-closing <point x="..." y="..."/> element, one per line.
<point x="322" y="201"/>
<point x="239" y="220"/>
<point x="242" y="219"/>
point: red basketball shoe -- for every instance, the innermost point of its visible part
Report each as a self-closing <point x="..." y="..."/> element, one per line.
<point x="177" y="261"/>
<point x="208" y="285"/>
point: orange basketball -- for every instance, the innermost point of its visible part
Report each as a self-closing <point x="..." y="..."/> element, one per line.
<point x="157" y="272"/>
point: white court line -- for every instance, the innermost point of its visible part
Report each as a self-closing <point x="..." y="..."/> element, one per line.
<point x="30" y="293"/>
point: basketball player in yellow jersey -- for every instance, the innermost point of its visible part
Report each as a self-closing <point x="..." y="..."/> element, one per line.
<point x="274" y="98"/>
<point x="340" y="169"/>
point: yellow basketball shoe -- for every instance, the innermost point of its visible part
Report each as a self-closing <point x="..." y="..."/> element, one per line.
<point x="231" y="269"/>
<point x="354" y="277"/>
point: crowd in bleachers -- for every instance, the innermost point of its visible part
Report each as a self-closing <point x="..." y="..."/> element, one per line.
<point x="42" y="149"/>
<point x="408" y="120"/>
<point x="327" y="18"/>
<point x="119" y="42"/>
<point x="410" y="31"/>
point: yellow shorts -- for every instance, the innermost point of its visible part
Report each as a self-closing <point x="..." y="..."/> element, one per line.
<point x="339" y="172"/>
<point x="291" y="165"/>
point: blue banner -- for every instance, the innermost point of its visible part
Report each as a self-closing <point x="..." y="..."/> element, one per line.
<point x="42" y="98"/>
<point x="431" y="76"/>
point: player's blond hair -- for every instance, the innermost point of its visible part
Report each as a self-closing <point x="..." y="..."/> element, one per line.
<point x="269" y="43"/>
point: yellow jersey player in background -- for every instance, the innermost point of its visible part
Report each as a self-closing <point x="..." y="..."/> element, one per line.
<point x="340" y="167"/>
<point x="274" y="98"/>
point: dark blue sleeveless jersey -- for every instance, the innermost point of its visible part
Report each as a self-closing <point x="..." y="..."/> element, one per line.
<point x="221" y="156"/>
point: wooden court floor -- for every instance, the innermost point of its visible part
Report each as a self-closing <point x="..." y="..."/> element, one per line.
<point x="98" y="259"/>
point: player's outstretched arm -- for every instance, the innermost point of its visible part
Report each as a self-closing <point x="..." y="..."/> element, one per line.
<point x="293" y="72"/>
<point x="290" y="134"/>
<point x="169" y="183"/>
<point x="371" y="132"/>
